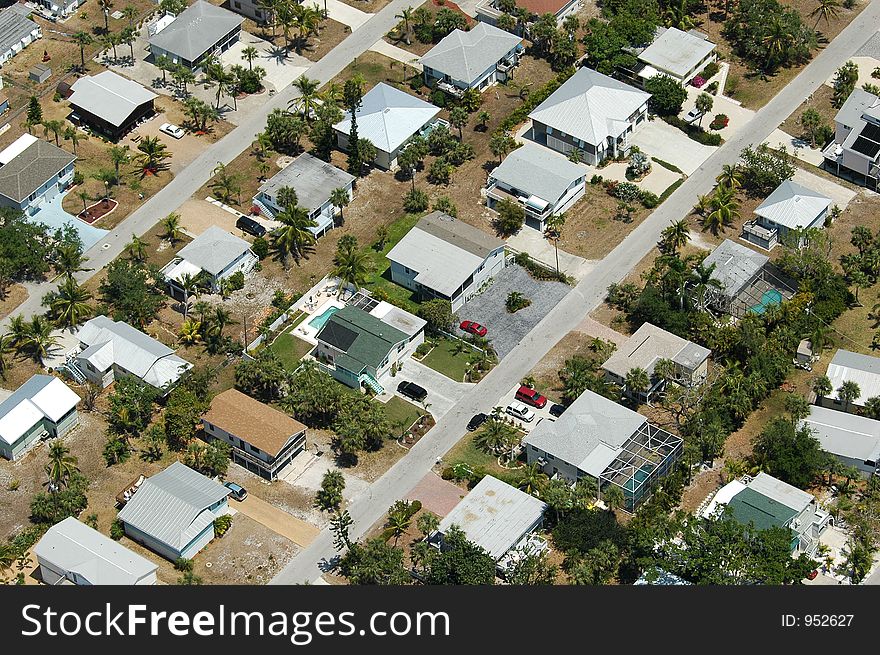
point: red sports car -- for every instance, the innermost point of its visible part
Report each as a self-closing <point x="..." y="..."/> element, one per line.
<point x="473" y="328"/>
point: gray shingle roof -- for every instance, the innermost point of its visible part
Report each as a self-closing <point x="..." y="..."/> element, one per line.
<point x="845" y="434"/>
<point x="735" y="266"/>
<point x="589" y="434"/>
<point x="196" y="30"/>
<point x="214" y="249"/>
<point x="538" y="171"/>
<point x="444" y="251"/>
<point x="71" y="546"/>
<point x="13" y="28"/>
<point x="31" y="168"/>
<point x="172" y="506"/>
<point x="313" y="179"/>
<point x="648" y="345"/>
<point x="388" y="117"/>
<point x="793" y="205"/>
<point x="495" y="516"/>
<point x="464" y="56"/>
<point x="109" y="96"/>
<point x="676" y="51"/>
<point x="590" y="106"/>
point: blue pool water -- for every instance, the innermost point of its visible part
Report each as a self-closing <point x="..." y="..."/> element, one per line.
<point x="318" y="321"/>
<point x="770" y="298"/>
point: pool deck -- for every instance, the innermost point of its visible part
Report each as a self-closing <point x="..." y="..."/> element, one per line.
<point x="315" y="302"/>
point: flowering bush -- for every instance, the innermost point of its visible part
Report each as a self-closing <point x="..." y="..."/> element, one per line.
<point x="698" y="81"/>
<point x="719" y="122"/>
<point x="255" y="211"/>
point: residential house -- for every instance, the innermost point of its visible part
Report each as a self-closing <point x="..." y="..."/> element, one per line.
<point x="313" y="180"/>
<point x="359" y="349"/>
<point x="213" y="256"/>
<point x="443" y="257"/>
<point x="42" y="408"/>
<point x="388" y="118"/>
<point x="109" y="349"/>
<point x="172" y="513"/>
<point x="675" y="53"/>
<point x="852" y="439"/>
<point x="110" y="104"/>
<point x="263" y="439"/>
<point x="545" y="183"/>
<point x="498" y="518"/>
<point x="736" y="268"/>
<point x="33" y="172"/>
<point x="599" y="439"/>
<point x="17" y="32"/>
<point x="58" y="8"/>
<point x="252" y="9"/>
<point x="647" y="346"/>
<point x="855" y="151"/>
<point x="847" y="366"/>
<point x="591" y="113"/>
<point x="198" y="32"/>
<point x="766" y="502"/>
<point x="473" y="59"/>
<point x="488" y="11"/>
<point x="791" y="207"/>
<point x="73" y="553"/>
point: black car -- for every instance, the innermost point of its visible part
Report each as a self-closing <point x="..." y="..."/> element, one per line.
<point x="477" y="421"/>
<point x="412" y="390"/>
<point x="249" y="225"/>
<point x="556" y="410"/>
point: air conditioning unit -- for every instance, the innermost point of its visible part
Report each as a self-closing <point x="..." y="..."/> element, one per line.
<point x="542" y="461"/>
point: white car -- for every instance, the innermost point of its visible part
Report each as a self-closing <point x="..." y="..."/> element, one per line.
<point x="693" y="115"/>
<point x="172" y="130"/>
<point x="520" y="411"/>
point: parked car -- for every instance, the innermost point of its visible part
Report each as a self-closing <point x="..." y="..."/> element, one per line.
<point x="412" y="390"/>
<point x="692" y="115"/>
<point x="476" y="421"/>
<point x="557" y="410"/>
<point x="473" y="328"/>
<point x="238" y="492"/>
<point x="531" y="397"/>
<point x="172" y="130"/>
<point x="520" y="411"/>
<point x="812" y="575"/>
<point x="249" y="225"/>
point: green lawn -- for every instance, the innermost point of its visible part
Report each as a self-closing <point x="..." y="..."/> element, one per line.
<point x="290" y="349"/>
<point x="465" y="452"/>
<point x="397" y="409"/>
<point x="443" y="359"/>
<point x="380" y="278"/>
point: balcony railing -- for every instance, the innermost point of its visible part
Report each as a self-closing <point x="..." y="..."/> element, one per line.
<point x="497" y="193"/>
<point x="767" y="235"/>
<point x="451" y="89"/>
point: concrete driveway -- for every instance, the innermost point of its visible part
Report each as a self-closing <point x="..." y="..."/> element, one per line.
<point x="659" y="139"/>
<point x="507" y="330"/>
<point x="542" y="250"/>
<point x="183" y="150"/>
<point x="282" y="67"/>
<point x="443" y="392"/>
<point x="297" y="530"/>
<point x="542" y="414"/>
<point x="346" y="14"/>
<point x="839" y="194"/>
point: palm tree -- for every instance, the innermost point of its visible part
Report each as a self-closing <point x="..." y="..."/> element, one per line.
<point x="675" y="236"/>
<point x="6" y="347"/>
<point x="248" y="54"/>
<point x="70" y="306"/>
<point x="137" y="248"/>
<point x="190" y="332"/>
<point x="171" y="225"/>
<point x="776" y="41"/>
<point x="826" y="9"/>
<point x="305" y="103"/>
<point x="724" y="210"/>
<point x="339" y="198"/>
<point x="111" y="40"/>
<point x="293" y="236"/>
<point x="848" y="392"/>
<point x="225" y="185"/>
<point x="221" y="318"/>
<point x="703" y="280"/>
<point x="637" y="382"/>
<point x="61" y="467"/>
<point x="106" y="6"/>
<point x="189" y="284"/>
<point x="119" y="155"/>
<point x="83" y="40"/>
<point x="130" y="12"/>
<point x="613" y="497"/>
<point x="406" y="15"/>
<point x="39" y="339"/>
<point x="74" y="136"/>
<point x="496" y="437"/>
<point x="54" y="126"/>
<point x="69" y="259"/>
<point x="730" y="176"/>
<point x="153" y="155"/>
<point x="164" y="64"/>
<point x="533" y="479"/>
<point x="351" y="266"/>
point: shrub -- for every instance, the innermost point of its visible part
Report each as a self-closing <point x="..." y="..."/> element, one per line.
<point x="539" y="271"/>
<point x="626" y="191"/>
<point x="260" y="247"/>
<point x="639" y="165"/>
<point x="719" y="122"/>
<point x="183" y="564"/>
<point x="78" y="177"/>
<point x="596" y="179"/>
<point x="667" y="95"/>
<point x="649" y="199"/>
<point x="698" y="81"/>
<point x="510" y="219"/>
<point x="117" y="530"/>
<point x="438" y="98"/>
<point x="236" y="280"/>
<point x="416" y="201"/>
<point x="222" y="525"/>
<point x="444" y="204"/>
<point x="695" y="132"/>
<point x="711" y="70"/>
<point x="713" y="88"/>
<point x="516" y="301"/>
<point x="13" y="485"/>
<point x="424" y="348"/>
<point x="876" y="73"/>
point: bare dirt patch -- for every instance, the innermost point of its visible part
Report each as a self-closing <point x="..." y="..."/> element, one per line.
<point x="15" y="295"/>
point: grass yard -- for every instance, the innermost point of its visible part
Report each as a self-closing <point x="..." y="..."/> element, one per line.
<point x="289" y="348"/>
<point x="399" y="411"/>
<point x="465" y="452"/>
<point x="444" y="358"/>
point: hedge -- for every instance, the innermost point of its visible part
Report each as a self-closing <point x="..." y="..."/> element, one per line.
<point x="695" y="132"/>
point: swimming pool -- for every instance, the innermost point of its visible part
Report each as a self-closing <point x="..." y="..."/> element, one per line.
<point x="320" y="319"/>
<point x="769" y="298"/>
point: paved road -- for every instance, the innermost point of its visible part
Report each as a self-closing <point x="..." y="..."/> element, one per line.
<point x="588" y="294"/>
<point x="189" y="180"/>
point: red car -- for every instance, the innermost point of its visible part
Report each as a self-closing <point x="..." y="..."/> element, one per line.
<point x="531" y="397"/>
<point x="812" y="575"/>
<point x="473" y="328"/>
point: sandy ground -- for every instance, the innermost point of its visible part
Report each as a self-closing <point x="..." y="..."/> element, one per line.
<point x="15" y="295"/>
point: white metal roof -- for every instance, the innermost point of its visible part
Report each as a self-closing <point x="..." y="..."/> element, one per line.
<point x="388" y="117"/>
<point x="465" y="56"/>
<point x="495" y="516"/>
<point x="845" y="434"/>
<point x="722" y="498"/>
<point x="864" y="370"/>
<point x="793" y="205"/>
<point x="109" y="96"/>
<point x="196" y="30"/>
<point x="41" y="396"/>
<point x="71" y="546"/>
<point x="590" y="106"/>
<point x="214" y="249"/>
<point x="782" y="492"/>
<point x="538" y="171"/>
<point x="676" y="52"/>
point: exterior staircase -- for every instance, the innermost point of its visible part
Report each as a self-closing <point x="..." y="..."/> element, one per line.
<point x="371" y="382"/>
<point x="71" y="367"/>
<point x="264" y="208"/>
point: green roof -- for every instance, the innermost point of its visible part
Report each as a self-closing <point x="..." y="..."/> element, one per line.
<point x="365" y="340"/>
<point x="749" y="506"/>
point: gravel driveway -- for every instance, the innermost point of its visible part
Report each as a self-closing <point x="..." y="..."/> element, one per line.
<point x="507" y="330"/>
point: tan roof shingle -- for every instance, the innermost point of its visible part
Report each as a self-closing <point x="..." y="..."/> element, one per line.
<point x="248" y="419"/>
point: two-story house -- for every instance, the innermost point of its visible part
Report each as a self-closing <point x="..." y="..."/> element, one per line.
<point x="32" y="172"/>
<point x="855" y="151"/>
<point x="443" y="257"/>
<point x="591" y="113"/>
<point x="42" y="408"/>
<point x="791" y="207"/>
<point x="212" y="256"/>
<point x="473" y="59"/>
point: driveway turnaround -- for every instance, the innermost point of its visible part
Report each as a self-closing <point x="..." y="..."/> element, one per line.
<point x="436" y="494"/>
<point x="661" y="140"/>
<point x="298" y="531"/>
<point x="506" y="330"/>
<point x="443" y="392"/>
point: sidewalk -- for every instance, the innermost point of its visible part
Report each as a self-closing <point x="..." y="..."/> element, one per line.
<point x="346" y="14"/>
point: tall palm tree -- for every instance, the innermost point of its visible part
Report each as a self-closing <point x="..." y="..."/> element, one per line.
<point x="171" y="225"/>
<point x="119" y="155"/>
<point x="613" y="497"/>
<point x="39" y="339"/>
<point x="533" y="479"/>
<point x="83" y="40"/>
<point x="70" y="306"/>
<point x="637" y="382"/>
<point x="154" y="154"/>
<point x="703" y="280"/>
<point x="137" y="248"/>
<point x="189" y="284"/>
<point x="675" y="236"/>
<point x="308" y="95"/>
<point x="351" y="266"/>
<point x="61" y="467"/>
<point x="339" y="198"/>
<point x="848" y="392"/>
<point x="496" y="437"/>
<point x="69" y="259"/>
<point x="106" y="6"/>
<point x="725" y="209"/>
<point x="776" y="41"/>
<point x="826" y="9"/>
<point x="221" y="318"/>
<point x="248" y="54"/>
<point x="406" y="15"/>
<point x="130" y="12"/>
<point x="293" y="237"/>
<point x="74" y="136"/>
<point x="54" y="126"/>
